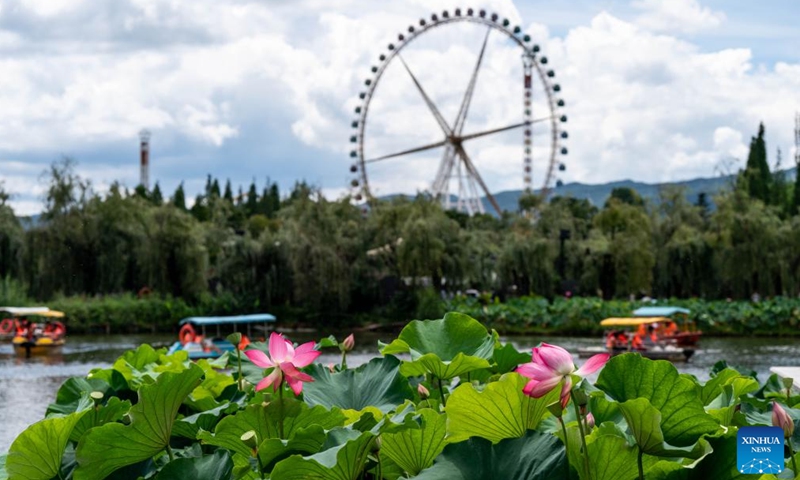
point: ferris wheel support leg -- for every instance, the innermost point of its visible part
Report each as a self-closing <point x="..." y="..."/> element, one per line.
<point x="474" y="172"/>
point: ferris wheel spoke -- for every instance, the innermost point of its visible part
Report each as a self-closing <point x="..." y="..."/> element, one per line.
<point x="461" y="118"/>
<point x="503" y="129"/>
<point x="406" y="152"/>
<point x="477" y="176"/>
<point x="435" y="111"/>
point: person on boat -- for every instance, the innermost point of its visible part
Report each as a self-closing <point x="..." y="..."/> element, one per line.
<point x="621" y="340"/>
<point x="636" y="343"/>
<point x="611" y="340"/>
<point x="670" y="329"/>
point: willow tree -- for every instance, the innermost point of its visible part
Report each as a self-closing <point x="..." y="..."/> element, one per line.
<point x="630" y="251"/>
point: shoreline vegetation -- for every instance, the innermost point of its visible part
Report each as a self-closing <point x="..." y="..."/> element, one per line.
<point x="577" y="316"/>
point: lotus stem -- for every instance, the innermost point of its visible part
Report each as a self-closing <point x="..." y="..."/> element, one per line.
<point x="240" y="380"/>
<point x="441" y="389"/>
<point x="566" y="443"/>
<point x="280" y="410"/>
<point x="639" y="461"/>
<point x="791" y="454"/>
<point x="583" y="440"/>
<point x="169" y="452"/>
<point x="380" y="470"/>
<point x="344" y="359"/>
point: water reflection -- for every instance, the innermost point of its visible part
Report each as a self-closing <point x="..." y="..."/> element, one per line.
<point x="27" y="386"/>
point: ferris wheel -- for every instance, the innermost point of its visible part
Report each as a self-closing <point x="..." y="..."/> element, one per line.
<point x="536" y="122"/>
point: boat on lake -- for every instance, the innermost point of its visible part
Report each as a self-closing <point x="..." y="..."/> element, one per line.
<point x="661" y="333"/>
<point x="33" y="330"/>
<point x="194" y="333"/>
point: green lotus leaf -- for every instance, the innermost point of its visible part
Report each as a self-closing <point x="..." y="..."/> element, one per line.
<point x="610" y="458"/>
<point x="218" y="466"/>
<point x="344" y="461"/>
<point x="534" y="456"/>
<point x="446" y="370"/>
<point x="264" y="421"/>
<point x="414" y="449"/>
<point x="132" y="362"/>
<point x="644" y="422"/>
<point x="188" y="427"/>
<point x="37" y="452"/>
<point x="726" y="404"/>
<point x="434" y="345"/>
<point x="305" y="441"/>
<point x="70" y="393"/>
<point x="683" y="419"/>
<point x="103" y="450"/>
<point x="112" y="411"/>
<point x="205" y="396"/>
<point x="507" y="358"/>
<point x="498" y="412"/>
<point x="713" y="387"/>
<point x="376" y="384"/>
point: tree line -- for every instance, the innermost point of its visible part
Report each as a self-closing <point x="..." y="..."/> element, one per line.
<point x="331" y="259"/>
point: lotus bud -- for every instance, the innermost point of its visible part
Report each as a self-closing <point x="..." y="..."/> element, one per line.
<point x="787" y="383"/>
<point x="589" y="421"/>
<point x="332" y="368"/>
<point x="250" y="439"/>
<point x="556" y="409"/>
<point x="782" y="419"/>
<point x="423" y="392"/>
<point x="580" y="397"/>
<point x="349" y="343"/>
<point x="235" y="338"/>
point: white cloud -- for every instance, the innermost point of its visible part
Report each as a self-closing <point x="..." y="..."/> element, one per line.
<point x="683" y="16"/>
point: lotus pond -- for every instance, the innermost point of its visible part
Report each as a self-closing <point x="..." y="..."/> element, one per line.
<point x="441" y="401"/>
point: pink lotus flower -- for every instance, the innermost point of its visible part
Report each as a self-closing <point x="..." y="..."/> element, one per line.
<point x="551" y="365"/>
<point x="782" y="419"/>
<point x="285" y="361"/>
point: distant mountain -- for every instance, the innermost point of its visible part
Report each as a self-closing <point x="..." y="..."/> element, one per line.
<point x="599" y="193"/>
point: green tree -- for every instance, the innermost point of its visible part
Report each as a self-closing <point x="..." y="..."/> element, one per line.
<point x="179" y="198"/>
<point x="251" y="206"/>
<point x="215" y="192"/>
<point x="756" y="177"/>
<point x="228" y="192"/>
<point x="626" y="195"/>
<point x="156" y="197"/>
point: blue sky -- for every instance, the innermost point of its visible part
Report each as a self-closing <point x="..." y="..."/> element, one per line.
<point x="655" y="90"/>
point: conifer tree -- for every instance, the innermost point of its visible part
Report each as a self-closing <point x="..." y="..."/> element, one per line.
<point x="275" y="197"/>
<point x="215" y="193"/>
<point x="757" y="174"/>
<point x="179" y="198"/>
<point x="251" y="207"/>
<point x="156" y="196"/>
<point x="228" y="192"/>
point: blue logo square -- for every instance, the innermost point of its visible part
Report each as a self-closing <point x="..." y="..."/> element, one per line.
<point x="759" y="450"/>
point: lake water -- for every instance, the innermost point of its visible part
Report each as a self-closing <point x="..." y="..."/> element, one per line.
<point x="27" y="386"/>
